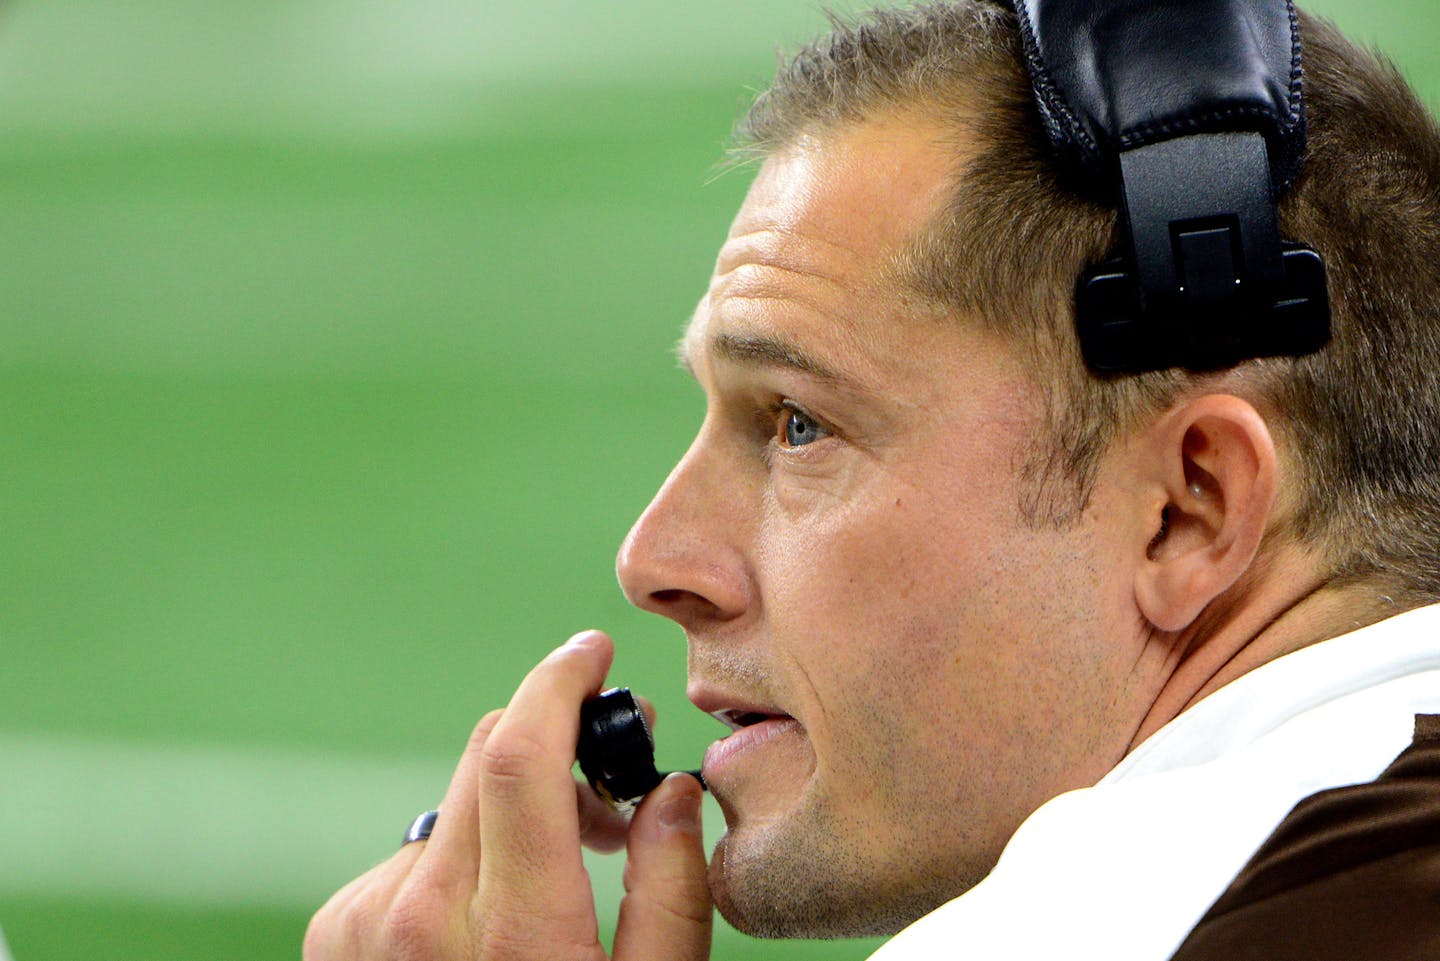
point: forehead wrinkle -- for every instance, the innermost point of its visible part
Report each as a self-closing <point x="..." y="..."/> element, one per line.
<point x="780" y="247"/>
<point x="767" y="304"/>
<point x="739" y="280"/>
<point x="768" y="289"/>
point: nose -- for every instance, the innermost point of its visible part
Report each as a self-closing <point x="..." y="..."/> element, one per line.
<point x="685" y="558"/>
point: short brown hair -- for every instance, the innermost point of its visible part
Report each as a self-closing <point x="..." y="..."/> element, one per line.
<point x="1362" y="416"/>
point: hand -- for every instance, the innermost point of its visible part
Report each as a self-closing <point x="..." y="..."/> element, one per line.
<point x="501" y="878"/>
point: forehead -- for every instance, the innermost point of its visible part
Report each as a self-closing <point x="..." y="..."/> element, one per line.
<point x="867" y="188"/>
<point x="812" y="252"/>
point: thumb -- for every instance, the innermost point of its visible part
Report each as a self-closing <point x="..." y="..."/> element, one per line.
<point x="667" y="910"/>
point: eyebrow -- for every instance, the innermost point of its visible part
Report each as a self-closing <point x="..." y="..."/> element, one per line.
<point x="762" y="351"/>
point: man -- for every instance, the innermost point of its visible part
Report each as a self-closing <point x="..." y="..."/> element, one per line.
<point x="959" y="595"/>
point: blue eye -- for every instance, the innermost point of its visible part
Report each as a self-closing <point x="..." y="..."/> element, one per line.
<point x="800" y="429"/>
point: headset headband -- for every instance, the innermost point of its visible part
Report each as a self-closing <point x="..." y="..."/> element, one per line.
<point x="1189" y="113"/>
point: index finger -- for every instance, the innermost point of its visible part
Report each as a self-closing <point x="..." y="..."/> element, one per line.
<point x="529" y="827"/>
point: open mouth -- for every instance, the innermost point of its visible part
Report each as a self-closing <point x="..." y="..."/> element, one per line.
<point x="750" y="732"/>
<point x="736" y="719"/>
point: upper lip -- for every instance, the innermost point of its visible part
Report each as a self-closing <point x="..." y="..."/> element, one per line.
<point x="733" y="710"/>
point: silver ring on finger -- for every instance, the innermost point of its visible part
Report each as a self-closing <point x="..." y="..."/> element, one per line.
<point x="420" y="828"/>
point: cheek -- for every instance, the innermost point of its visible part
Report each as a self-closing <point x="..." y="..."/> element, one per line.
<point x="844" y="571"/>
<point x="863" y="607"/>
<point x="927" y="647"/>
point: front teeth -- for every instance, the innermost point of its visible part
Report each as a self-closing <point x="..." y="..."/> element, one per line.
<point x="735" y="720"/>
<point x="727" y="718"/>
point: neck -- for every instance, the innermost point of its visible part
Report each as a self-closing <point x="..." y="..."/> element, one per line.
<point x="1276" y="612"/>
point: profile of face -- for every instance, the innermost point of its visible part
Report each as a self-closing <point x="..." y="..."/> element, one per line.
<point x="912" y="666"/>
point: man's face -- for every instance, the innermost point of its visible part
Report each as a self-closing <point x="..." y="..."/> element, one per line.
<point x="915" y="668"/>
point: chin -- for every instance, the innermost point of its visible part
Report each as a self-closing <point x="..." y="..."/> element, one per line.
<point x="811" y="890"/>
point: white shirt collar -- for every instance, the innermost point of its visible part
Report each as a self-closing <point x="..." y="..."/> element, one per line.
<point x="1123" y="870"/>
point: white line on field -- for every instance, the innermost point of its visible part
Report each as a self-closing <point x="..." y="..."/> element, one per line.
<point x="216" y="826"/>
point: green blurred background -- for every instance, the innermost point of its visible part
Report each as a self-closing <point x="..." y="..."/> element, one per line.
<point x="336" y="363"/>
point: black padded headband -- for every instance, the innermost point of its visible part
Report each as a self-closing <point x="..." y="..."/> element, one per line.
<point x="1190" y="114"/>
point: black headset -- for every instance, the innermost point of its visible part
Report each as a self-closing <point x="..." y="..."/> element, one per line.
<point x="1188" y="113"/>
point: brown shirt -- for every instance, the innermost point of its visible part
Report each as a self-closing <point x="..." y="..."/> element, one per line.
<point x="1352" y="873"/>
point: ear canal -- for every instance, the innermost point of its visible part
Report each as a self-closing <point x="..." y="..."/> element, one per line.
<point x="1159" y="537"/>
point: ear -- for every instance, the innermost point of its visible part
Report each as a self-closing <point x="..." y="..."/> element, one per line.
<point x="1210" y="466"/>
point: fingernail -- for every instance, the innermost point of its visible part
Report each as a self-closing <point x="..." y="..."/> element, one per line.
<point x="583" y="639"/>
<point x="681" y="811"/>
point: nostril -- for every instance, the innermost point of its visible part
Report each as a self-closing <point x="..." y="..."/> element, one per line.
<point x="685" y="607"/>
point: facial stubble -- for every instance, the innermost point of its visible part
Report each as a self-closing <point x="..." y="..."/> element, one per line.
<point x="810" y="874"/>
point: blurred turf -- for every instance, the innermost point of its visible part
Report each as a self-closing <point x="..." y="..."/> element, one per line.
<point x="300" y="422"/>
<point x="136" y="931"/>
